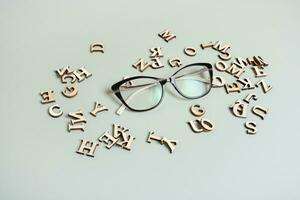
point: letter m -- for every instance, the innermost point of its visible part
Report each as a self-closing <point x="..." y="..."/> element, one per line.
<point x="166" y="35"/>
<point x="221" y="47"/>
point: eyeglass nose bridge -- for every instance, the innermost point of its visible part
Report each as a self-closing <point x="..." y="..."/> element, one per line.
<point x="164" y="81"/>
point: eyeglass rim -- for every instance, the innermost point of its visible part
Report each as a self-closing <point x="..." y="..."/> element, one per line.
<point x="116" y="87"/>
<point x="117" y="92"/>
<point x="208" y="65"/>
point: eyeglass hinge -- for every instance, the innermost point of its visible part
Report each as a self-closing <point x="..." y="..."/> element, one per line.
<point x="171" y="80"/>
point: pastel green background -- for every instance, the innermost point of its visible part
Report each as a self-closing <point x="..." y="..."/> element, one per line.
<point x="38" y="159"/>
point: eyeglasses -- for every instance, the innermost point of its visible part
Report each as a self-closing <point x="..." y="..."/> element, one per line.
<point x="143" y="93"/>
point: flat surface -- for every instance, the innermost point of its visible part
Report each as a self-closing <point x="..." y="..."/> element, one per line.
<point x="38" y="159"/>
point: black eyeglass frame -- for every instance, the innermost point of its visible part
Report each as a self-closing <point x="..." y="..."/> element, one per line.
<point x="116" y="87"/>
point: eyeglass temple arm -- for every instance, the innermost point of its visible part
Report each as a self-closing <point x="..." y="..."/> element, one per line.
<point x="124" y="87"/>
<point x="202" y="80"/>
<point x="134" y="86"/>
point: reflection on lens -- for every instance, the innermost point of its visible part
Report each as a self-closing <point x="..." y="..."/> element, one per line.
<point x="142" y="93"/>
<point x="193" y="82"/>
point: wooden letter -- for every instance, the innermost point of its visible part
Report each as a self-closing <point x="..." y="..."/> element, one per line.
<point x="197" y="110"/>
<point x="221" y="66"/>
<point x="190" y="51"/>
<point x="78" y="121"/>
<point x="47" y="97"/>
<point x="175" y="62"/>
<point x="251" y="128"/>
<point x="72" y="127"/>
<point x="96" y="47"/>
<point x="220" y="47"/>
<point x="239" y="109"/>
<point x="218" y="81"/>
<point x="209" y="44"/>
<point x="169" y="143"/>
<point x="141" y="65"/>
<point x="266" y="88"/>
<point x="260" y="111"/>
<point x="225" y="56"/>
<point x="235" y="70"/>
<point x="249" y="97"/>
<point x="151" y="136"/>
<point x="237" y="67"/>
<point x="166" y="35"/>
<point x="55" y="114"/>
<point x="155" y="52"/>
<point x="70" y="91"/>
<point x="65" y="70"/>
<point x="125" y="139"/>
<point x="82" y="74"/>
<point x="259" y="72"/>
<point x="98" y="108"/>
<point x="70" y="76"/>
<point x="247" y="84"/>
<point x="77" y="117"/>
<point x="108" y="139"/>
<point x="202" y="125"/>
<point x="88" y="146"/>
<point x="234" y="87"/>
<point x="156" y="63"/>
